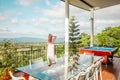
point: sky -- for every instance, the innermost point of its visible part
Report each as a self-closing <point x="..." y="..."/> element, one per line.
<point x="38" y="18"/>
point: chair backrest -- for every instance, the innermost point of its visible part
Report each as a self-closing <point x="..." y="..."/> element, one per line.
<point x="11" y="74"/>
<point x="15" y="78"/>
<point x="89" y="73"/>
<point x="32" y="78"/>
<point x="95" y="68"/>
<point x="61" y="59"/>
<point x="36" y="62"/>
<point x="83" y="75"/>
<point x="98" y="64"/>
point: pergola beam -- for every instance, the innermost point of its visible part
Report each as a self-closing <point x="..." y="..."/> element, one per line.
<point x="87" y="3"/>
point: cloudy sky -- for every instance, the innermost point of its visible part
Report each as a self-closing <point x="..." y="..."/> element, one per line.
<point x="38" y="18"/>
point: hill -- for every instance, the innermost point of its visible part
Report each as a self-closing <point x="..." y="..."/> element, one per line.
<point x="30" y="39"/>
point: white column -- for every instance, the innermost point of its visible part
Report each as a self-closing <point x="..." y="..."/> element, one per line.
<point x="92" y="27"/>
<point x="66" y="37"/>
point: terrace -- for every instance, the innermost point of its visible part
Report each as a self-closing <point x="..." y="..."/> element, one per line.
<point x="23" y="55"/>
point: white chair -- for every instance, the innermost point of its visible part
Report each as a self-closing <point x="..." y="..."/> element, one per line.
<point x="37" y="63"/>
<point x="99" y="68"/>
<point x="83" y="75"/>
<point x="16" y="78"/>
<point x="91" y="73"/>
<point x="95" y="70"/>
<point x="32" y="78"/>
<point x="60" y="59"/>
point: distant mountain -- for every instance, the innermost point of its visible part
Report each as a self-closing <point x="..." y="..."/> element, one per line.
<point x="30" y="39"/>
<point x="24" y="39"/>
<point x="60" y="40"/>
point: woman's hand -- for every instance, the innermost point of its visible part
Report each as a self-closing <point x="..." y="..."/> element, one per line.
<point x="54" y="36"/>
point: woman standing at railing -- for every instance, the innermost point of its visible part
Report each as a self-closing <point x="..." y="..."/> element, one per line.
<point x="51" y="50"/>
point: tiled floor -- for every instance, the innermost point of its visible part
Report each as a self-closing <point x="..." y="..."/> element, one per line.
<point x="112" y="71"/>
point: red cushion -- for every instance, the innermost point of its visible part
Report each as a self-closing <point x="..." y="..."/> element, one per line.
<point x="26" y="76"/>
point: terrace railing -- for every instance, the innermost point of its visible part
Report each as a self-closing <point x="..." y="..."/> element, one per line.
<point x="20" y="56"/>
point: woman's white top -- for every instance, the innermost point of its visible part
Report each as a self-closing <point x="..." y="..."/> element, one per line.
<point x="51" y="49"/>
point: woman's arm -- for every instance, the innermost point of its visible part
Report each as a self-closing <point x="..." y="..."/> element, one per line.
<point x="53" y="38"/>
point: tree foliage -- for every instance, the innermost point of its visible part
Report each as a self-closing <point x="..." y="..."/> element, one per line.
<point x="109" y="37"/>
<point x="8" y="57"/>
<point x="85" y="39"/>
<point x="8" y="53"/>
<point x="73" y="34"/>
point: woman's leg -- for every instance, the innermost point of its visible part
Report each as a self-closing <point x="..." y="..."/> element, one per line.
<point x="49" y="62"/>
<point x="54" y="60"/>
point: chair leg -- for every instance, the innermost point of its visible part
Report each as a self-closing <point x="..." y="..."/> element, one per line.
<point x="96" y="75"/>
<point x="100" y="73"/>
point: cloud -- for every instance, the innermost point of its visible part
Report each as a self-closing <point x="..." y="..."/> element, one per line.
<point x="14" y="21"/>
<point x="56" y="18"/>
<point x="56" y="12"/>
<point x="6" y="33"/>
<point x="27" y="2"/>
<point x="57" y="22"/>
<point x="99" y="25"/>
<point x="112" y="12"/>
<point x="31" y="2"/>
<point x="53" y="19"/>
<point x="2" y="17"/>
<point x="43" y="20"/>
<point x="37" y="9"/>
<point x="107" y="21"/>
<point x="4" y="29"/>
<point x="28" y="21"/>
<point x="48" y="2"/>
<point x="107" y="17"/>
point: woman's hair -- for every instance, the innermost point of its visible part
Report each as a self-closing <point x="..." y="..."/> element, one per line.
<point x="50" y="38"/>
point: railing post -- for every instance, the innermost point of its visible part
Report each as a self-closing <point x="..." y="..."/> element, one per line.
<point x="31" y="52"/>
<point x="16" y="60"/>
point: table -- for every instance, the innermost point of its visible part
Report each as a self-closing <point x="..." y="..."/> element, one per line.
<point x="100" y="51"/>
<point x="56" y="71"/>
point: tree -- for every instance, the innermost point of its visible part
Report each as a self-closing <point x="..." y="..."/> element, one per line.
<point x="109" y="37"/>
<point x="85" y="40"/>
<point x="8" y="58"/>
<point x="73" y="34"/>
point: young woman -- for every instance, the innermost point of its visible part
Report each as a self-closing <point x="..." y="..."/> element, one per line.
<point x="51" y="50"/>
